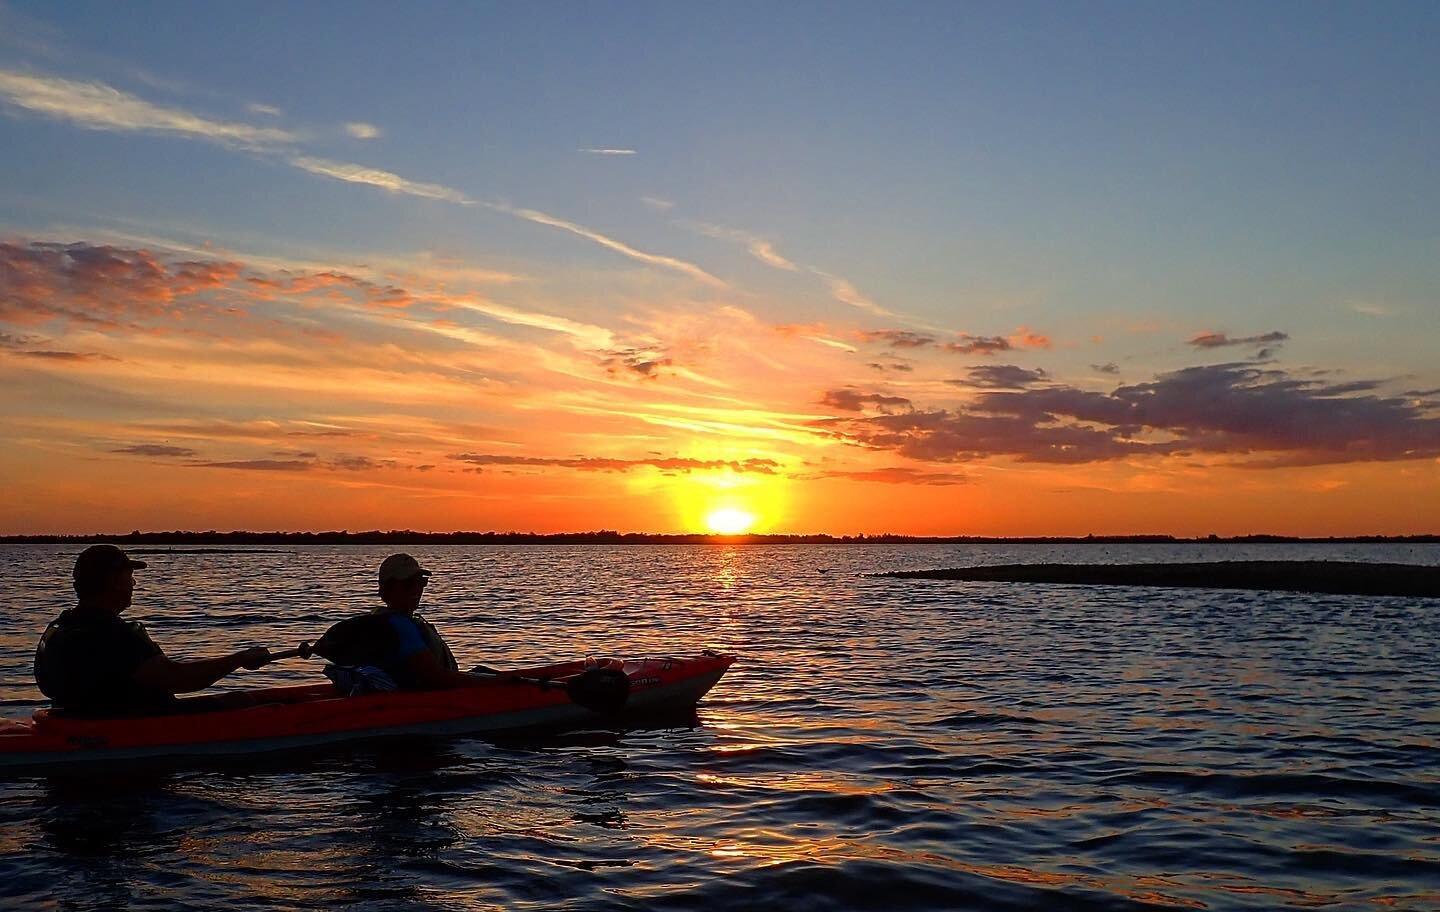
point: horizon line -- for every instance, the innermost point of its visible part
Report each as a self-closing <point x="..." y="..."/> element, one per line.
<point x="608" y="536"/>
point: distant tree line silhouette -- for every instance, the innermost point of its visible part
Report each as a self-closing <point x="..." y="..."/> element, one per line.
<point x="610" y="537"/>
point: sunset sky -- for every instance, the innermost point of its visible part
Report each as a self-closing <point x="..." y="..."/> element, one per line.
<point x="919" y="268"/>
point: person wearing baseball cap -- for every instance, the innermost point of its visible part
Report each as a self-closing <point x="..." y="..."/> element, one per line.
<point x="394" y="638"/>
<point x="91" y="662"/>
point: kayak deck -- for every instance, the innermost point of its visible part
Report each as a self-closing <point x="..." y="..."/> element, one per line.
<point x="279" y="718"/>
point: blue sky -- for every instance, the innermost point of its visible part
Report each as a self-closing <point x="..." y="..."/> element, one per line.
<point x="1014" y="135"/>
<point x="1117" y="178"/>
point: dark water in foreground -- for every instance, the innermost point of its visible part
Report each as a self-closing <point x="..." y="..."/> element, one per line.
<point x="881" y="744"/>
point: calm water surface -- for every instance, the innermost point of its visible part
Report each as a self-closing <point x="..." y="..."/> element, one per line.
<point x="881" y="744"/>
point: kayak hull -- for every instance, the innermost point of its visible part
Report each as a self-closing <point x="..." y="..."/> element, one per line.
<point x="287" y="718"/>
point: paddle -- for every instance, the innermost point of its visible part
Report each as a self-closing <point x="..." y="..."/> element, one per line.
<point x="601" y="690"/>
<point x="301" y="652"/>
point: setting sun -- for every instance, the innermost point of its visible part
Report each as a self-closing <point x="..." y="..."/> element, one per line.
<point x="730" y="521"/>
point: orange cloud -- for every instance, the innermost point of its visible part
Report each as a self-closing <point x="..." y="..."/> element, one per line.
<point x="101" y="284"/>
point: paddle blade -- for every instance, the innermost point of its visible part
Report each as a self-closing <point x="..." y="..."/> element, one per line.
<point x="603" y="690"/>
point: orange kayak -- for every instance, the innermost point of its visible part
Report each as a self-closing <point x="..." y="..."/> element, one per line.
<point x="281" y="718"/>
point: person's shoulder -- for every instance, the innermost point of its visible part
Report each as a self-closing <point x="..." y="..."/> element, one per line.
<point x="65" y="620"/>
<point x="73" y="624"/>
<point x="61" y="623"/>
<point x="134" y="629"/>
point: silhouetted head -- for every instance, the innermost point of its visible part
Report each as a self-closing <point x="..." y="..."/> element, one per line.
<point x="104" y="578"/>
<point x="402" y="582"/>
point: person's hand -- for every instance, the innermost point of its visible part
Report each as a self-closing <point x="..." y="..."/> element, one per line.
<point x="255" y="657"/>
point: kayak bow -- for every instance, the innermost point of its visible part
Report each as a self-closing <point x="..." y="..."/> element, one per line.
<point x="281" y="718"/>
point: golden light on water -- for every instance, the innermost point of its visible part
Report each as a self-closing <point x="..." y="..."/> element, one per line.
<point x="729" y="521"/>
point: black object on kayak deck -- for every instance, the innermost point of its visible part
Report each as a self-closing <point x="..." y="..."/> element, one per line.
<point x="603" y="690"/>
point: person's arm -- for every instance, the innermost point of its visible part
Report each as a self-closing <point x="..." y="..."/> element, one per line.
<point x="427" y="671"/>
<point x="168" y="675"/>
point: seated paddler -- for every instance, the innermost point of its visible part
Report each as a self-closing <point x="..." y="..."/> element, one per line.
<point x="92" y="662"/>
<point x="392" y="647"/>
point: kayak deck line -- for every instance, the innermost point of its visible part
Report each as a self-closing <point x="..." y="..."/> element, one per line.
<point x="306" y="715"/>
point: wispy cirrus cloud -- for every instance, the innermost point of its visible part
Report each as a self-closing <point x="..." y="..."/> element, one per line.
<point x="97" y="106"/>
<point x="231" y="324"/>
<point x="258" y="465"/>
<point x="359" y="129"/>
<point x="764" y="250"/>
<point x="814" y="332"/>
<point x="760" y="248"/>
<point x="1370" y="308"/>
<point x="668" y="262"/>
<point x="394" y="183"/>
<point x="25" y="347"/>
<point x="592" y="336"/>
<point x="899" y="475"/>
<point x="71" y="356"/>
<point x="156" y="450"/>
<point x="376" y="177"/>
<point x="605" y="464"/>
<point x="307" y="462"/>
<point x="846" y="293"/>
<point x="833" y="343"/>
<point x="962" y="343"/>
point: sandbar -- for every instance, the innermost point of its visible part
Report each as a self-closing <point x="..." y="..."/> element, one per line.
<point x="1331" y="577"/>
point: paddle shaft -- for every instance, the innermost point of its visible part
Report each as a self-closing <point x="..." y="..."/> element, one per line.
<point x="542" y="683"/>
<point x="300" y="652"/>
<point x="303" y="651"/>
<point x="583" y="688"/>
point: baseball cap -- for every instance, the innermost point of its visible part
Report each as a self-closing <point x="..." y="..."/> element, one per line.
<point x="400" y="567"/>
<point x="99" y="561"/>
